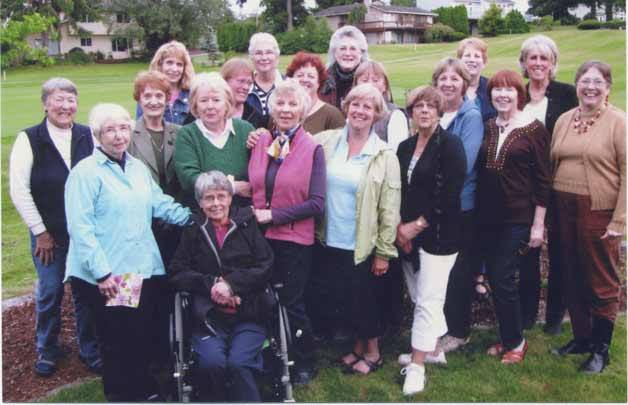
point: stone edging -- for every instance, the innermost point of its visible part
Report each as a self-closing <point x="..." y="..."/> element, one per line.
<point x="17" y="301"/>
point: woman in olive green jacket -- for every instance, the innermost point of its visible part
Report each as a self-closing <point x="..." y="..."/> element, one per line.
<point x="356" y="237"/>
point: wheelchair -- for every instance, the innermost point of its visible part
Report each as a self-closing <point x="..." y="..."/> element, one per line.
<point x="275" y="353"/>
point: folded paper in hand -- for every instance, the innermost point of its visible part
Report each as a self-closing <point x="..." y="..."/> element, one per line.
<point x="129" y="290"/>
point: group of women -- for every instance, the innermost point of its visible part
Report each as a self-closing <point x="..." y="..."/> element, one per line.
<point x="317" y="183"/>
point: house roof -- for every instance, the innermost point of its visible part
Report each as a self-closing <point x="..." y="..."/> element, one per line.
<point x="346" y="9"/>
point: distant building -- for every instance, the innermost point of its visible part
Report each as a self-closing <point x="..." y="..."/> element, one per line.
<point x="90" y="36"/>
<point x="383" y="24"/>
<point x="582" y="10"/>
<point x="475" y="8"/>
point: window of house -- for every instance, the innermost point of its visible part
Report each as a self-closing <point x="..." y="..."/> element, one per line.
<point x="86" y="42"/>
<point x="122" y="18"/>
<point x="120" y="44"/>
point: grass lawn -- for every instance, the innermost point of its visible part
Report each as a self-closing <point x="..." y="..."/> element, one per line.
<point x="470" y="376"/>
<point x="408" y="66"/>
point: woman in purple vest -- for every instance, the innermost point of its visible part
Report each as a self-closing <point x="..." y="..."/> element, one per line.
<point x="287" y="177"/>
<point x="40" y="162"/>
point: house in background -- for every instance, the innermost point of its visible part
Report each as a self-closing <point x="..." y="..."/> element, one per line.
<point x="90" y="36"/>
<point x="383" y="24"/>
<point x="475" y="8"/>
<point x="582" y="10"/>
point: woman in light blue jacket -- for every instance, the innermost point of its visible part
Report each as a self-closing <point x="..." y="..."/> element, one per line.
<point x="113" y="261"/>
<point x="462" y="118"/>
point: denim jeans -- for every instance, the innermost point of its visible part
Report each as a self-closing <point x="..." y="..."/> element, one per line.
<point x="503" y="251"/>
<point x="48" y="297"/>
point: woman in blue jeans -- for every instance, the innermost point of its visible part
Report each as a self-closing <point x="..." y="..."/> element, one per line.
<point x="513" y="192"/>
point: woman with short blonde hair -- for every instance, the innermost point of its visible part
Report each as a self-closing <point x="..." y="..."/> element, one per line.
<point x="473" y="53"/>
<point x="214" y="141"/>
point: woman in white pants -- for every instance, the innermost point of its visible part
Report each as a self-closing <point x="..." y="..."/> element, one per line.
<point x="433" y="167"/>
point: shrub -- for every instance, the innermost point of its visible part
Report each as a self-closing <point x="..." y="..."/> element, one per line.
<point x="590" y="25"/>
<point x="77" y="56"/>
<point x="235" y="36"/>
<point x="515" y="23"/>
<point x="545" y="23"/>
<point x="357" y="14"/>
<point x="455" y="17"/>
<point x="312" y="36"/>
<point x="615" y="24"/>
<point x="438" y="33"/>
<point x="569" y="19"/>
<point x="456" y="36"/>
<point x="492" y="24"/>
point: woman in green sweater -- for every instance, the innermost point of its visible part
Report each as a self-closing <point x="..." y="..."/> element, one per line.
<point x="214" y="141"/>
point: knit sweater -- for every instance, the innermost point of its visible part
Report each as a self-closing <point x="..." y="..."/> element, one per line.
<point x="194" y="154"/>
<point x="604" y="158"/>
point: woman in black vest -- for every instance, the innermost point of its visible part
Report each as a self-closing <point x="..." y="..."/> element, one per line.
<point x="40" y="162"/>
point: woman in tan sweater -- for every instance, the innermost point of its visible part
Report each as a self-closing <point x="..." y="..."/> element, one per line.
<point x="589" y="197"/>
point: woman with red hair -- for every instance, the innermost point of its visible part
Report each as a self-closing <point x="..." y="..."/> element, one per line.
<point x="514" y="182"/>
<point x="309" y="71"/>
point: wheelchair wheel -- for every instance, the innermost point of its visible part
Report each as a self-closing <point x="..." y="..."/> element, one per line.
<point x="179" y="348"/>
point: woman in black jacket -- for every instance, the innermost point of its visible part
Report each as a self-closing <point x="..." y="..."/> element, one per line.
<point x="547" y="99"/>
<point x="225" y="262"/>
<point x="433" y="168"/>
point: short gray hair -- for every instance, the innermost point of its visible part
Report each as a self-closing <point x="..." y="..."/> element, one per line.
<point x="290" y="86"/>
<point x="347" y="31"/>
<point x="212" y="180"/>
<point x="262" y="37"/>
<point x="214" y="82"/>
<point x="544" y="44"/>
<point x="107" y="111"/>
<point x="57" y="83"/>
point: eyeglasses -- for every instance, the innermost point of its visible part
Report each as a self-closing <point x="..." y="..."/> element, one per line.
<point x="260" y="54"/>
<point x="596" y="82"/>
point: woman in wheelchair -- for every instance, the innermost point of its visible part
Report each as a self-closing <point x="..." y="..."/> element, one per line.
<point x="224" y="261"/>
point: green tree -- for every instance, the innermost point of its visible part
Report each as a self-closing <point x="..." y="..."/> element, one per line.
<point x="515" y="23"/>
<point x="156" y="22"/>
<point x="454" y="17"/>
<point x="556" y="8"/>
<point x="312" y="36"/>
<point x="234" y="36"/>
<point x="276" y="16"/>
<point x="15" y="50"/>
<point x="404" y="3"/>
<point x="491" y="23"/>
<point x="357" y="14"/>
<point x="323" y="4"/>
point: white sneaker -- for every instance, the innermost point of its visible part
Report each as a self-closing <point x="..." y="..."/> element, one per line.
<point x="406" y="358"/>
<point x="415" y="379"/>
<point x="450" y="343"/>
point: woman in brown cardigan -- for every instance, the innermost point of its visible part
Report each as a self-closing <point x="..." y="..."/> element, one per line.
<point x="588" y="153"/>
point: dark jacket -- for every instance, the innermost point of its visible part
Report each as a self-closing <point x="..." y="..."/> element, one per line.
<point x="49" y="174"/>
<point x="333" y="91"/>
<point x="486" y="106"/>
<point x="442" y="160"/>
<point x="561" y="97"/>
<point x="244" y="262"/>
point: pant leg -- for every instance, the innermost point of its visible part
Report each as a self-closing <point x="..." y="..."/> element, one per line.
<point x="244" y="360"/>
<point x="292" y="268"/>
<point x="211" y="366"/>
<point x="530" y="286"/>
<point x="460" y="287"/>
<point x="567" y="242"/>
<point x="389" y="295"/>
<point x="503" y="265"/>
<point x="555" y="306"/>
<point x="364" y="316"/>
<point x="48" y="297"/>
<point x="124" y="341"/>
<point x="431" y="289"/>
<point x="600" y="261"/>
<point x="85" y="329"/>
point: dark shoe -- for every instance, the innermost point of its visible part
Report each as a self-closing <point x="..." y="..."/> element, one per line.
<point x="553" y="328"/>
<point x="95" y="366"/>
<point x="45" y="367"/>
<point x="303" y="376"/>
<point x="597" y="361"/>
<point x="573" y="347"/>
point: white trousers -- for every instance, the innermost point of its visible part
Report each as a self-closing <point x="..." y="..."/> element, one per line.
<point x="427" y="289"/>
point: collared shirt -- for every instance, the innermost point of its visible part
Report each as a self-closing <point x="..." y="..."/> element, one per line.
<point x="109" y="214"/>
<point x="343" y="178"/>
<point x="219" y="140"/>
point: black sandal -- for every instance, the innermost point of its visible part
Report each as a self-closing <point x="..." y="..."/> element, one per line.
<point x="349" y="366"/>
<point x="372" y="365"/>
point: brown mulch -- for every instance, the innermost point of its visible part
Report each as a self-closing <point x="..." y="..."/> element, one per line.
<point x="21" y="384"/>
<point x="19" y="381"/>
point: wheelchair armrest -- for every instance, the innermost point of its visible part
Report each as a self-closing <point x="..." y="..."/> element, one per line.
<point x="277" y="286"/>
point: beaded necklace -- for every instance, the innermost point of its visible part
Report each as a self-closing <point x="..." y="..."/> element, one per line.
<point x="580" y="125"/>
